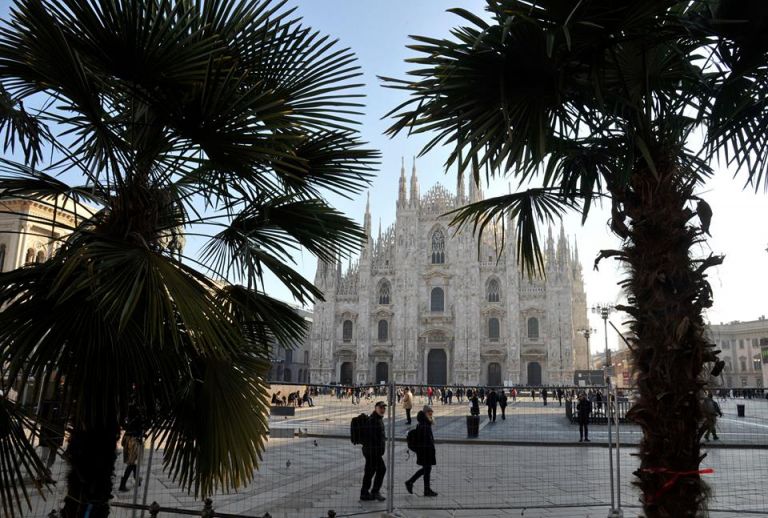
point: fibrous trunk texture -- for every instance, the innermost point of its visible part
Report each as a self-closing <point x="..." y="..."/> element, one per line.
<point x="667" y="292"/>
<point x="91" y="454"/>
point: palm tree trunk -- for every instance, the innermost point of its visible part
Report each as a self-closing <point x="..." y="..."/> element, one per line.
<point x="667" y="292"/>
<point x="91" y="453"/>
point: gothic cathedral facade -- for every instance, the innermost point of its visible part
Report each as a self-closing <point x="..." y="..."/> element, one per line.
<point x="425" y="305"/>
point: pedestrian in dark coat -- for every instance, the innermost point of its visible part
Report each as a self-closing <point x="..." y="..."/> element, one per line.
<point x="544" y="396"/>
<point x="492" y="400"/>
<point x="425" y="451"/>
<point x="503" y="404"/>
<point x="583" y="409"/>
<point x="373" y="451"/>
<point x="475" y="404"/>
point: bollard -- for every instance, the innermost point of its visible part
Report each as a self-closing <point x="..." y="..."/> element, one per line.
<point x="207" y="509"/>
<point x="154" y="509"/>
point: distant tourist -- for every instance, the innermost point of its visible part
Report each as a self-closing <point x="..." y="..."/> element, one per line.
<point x="583" y="409"/>
<point x="423" y="443"/>
<point x="492" y="401"/>
<point x="544" y="395"/>
<point x="474" y="403"/>
<point x="503" y="404"/>
<point x="430" y="393"/>
<point x="711" y="413"/>
<point x="373" y="451"/>
<point x="533" y="394"/>
<point x="407" y="404"/>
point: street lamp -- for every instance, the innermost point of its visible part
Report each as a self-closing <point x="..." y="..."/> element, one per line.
<point x="586" y="332"/>
<point x="604" y="310"/>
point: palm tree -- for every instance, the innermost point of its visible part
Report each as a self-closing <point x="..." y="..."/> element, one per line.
<point x="624" y="102"/>
<point x="225" y="121"/>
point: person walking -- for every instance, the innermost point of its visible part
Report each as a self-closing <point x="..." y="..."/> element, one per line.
<point x="533" y="394"/>
<point x="583" y="409"/>
<point x="711" y="413"/>
<point x="373" y="452"/>
<point x="503" y="404"/>
<point x="491" y="401"/>
<point x="133" y="440"/>
<point x="430" y="392"/>
<point x="560" y="396"/>
<point x="407" y="404"/>
<point x="544" y="395"/>
<point x="514" y="394"/>
<point x="425" y="451"/>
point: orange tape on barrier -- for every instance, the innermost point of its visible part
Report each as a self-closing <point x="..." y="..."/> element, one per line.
<point x="672" y="481"/>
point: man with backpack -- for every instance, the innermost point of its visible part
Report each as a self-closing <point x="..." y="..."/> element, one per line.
<point x="711" y="413"/>
<point x="369" y="431"/>
<point x="422" y="442"/>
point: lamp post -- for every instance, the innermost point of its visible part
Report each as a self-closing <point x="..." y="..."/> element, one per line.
<point x="604" y="310"/>
<point x="586" y="332"/>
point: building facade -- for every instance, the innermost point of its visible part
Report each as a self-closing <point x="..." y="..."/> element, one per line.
<point x="291" y="365"/>
<point x="426" y="304"/>
<point x="740" y="347"/>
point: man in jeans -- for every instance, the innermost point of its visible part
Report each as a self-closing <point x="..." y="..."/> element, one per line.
<point x="373" y="451"/>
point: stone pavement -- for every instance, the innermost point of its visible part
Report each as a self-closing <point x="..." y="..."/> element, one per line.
<point x="304" y="477"/>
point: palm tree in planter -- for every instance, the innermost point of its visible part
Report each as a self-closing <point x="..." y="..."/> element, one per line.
<point x="226" y="121"/>
<point x="623" y="102"/>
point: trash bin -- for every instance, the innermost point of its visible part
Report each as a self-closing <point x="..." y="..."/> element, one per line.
<point x="740" y="410"/>
<point x="473" y="425"/>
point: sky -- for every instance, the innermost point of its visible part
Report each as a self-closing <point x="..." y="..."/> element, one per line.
<point x="378" y="32"/>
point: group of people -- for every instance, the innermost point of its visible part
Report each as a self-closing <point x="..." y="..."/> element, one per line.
<point x="293" y="399"/>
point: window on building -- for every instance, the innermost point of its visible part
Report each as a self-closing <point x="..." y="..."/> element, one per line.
<point x="288" y="356"/>
<point x="726" y="344"/>
<point x="533" y="327"/>
<point x="743" y="364"/>
<point x="383" y="330"/>
<point x="287" y="375"/>
<point x="743" y="382"/>
<point x="437" y="300"/>
<point x="754" y="342"/>
<point x="30" y="258"/>
<point x="346" y="331"/>
<point x="384" y="288"/>
<point x="2" y="258"/>
<point x="741" y="343"/>
<point x="40" y="257"/>
<point x="438" y="247"/>
<point x="494" y="294"/>
<point x="306" y="357"/>
<point x="493" y="329"/>
<point x="756" y="363"/>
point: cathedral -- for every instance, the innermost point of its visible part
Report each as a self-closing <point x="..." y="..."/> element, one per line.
<point x="424" y="305"/>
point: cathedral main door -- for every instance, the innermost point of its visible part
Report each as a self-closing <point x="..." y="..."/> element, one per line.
<point x="382" y="372"/>
<point x="437" y="367"/>
<point x="534" y="373"/>
<point x="345" y="376"/>
<point x="494" y="374"/>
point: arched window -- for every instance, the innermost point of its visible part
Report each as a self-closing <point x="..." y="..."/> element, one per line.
<point x="384" y="288"/>
<point x="287" y="375"/>
<point x="30" y="256"/>
<point x="383" y="330"/>
<point x="493" y="329"/>
<point x="288" y="356"/>
<point x="346" y="331"/>
<point x="533" y="327"/>
<point x="743" y="364"/>
<point x="437" y="300"/>
<point x="438" y="247"/>
<point x="306" y="357"/>
<point x="40" y="257"/>
<point x="2" y="258"/>
<point x="494" y="294"/>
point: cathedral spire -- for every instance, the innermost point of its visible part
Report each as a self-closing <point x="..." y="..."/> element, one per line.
<point x="367" y="217"/>
<point x="379" y="228"/>
<point x="460" y="188"/>
<point x="563" y="254"/>
<point x="401" y="195"/>
<point x="475" y="192"/>
<point x="414" y="186"/>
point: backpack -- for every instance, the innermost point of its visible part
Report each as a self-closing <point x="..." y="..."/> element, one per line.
<point x="358" y="428"/>
<point x="411" y="440"/>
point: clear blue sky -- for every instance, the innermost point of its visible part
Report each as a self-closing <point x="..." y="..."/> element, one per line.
<point x="378" y="32"/>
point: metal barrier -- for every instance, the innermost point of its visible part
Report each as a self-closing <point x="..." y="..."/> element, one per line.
<point x="530" y="457"/>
